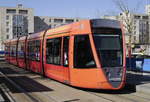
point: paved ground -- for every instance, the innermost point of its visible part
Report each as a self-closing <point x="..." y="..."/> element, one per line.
<point x="141" y="81"/>
<point x="24" y="86"/>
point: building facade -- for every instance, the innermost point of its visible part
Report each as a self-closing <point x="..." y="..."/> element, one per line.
<point x="14" y="22"/>
<point x="139" y="24"/>
<point x="44" y="22"/>
<point x="147" y="9"/>
<point x="19" y="21"/>
<point x="141" y="29"/>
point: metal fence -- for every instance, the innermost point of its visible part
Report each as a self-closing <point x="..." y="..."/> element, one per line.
<point x="138" y="64"/>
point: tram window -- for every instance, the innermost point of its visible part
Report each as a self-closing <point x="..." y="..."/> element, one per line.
<point x="34" y="50"/>
<point x="49" y="51"/>
<point x="13" y="51"/>
<point x="57" y="51"/>
<point x="53" y="51"/>
<point x="31" y="54"/>
<point x="21" y="50"/>
<point x="83" y="56"/>
<point x="6" y="50"/>
<point x="65" y="51"/>
<point x="37" y="50"/>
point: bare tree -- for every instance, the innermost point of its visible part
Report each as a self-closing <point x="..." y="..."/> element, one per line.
<point x="99" y="13"/>
<point x="128" y="21"/>
<point x="127" y="17"/>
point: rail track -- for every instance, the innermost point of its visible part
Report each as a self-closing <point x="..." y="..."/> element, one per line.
<point x="25" y="96"/>
<point x="41" y="89"/>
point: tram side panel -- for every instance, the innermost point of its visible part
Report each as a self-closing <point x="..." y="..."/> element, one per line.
<point x="21" y="52"/>
<point x="56" y="61"/>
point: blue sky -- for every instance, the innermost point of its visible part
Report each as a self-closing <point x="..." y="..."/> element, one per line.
<point x="74" y="8"/>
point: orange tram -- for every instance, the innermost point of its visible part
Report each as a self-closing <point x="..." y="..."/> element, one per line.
<point x="86" y="54"/>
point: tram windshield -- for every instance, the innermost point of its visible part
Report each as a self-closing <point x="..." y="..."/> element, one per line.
<point x="109" y="48"/>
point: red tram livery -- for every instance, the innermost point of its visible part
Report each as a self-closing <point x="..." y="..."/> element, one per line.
<point x="87" y="54"/>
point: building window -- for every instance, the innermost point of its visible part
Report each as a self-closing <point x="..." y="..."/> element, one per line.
<point x="58" y="20"/>
<point x="134" y="27"/>
<point x="134" y="38"/>
<point x="7" y="30"/>
<point x="145" y="17"/>
<point x="69" y="20"/>
<point x="137" y="17"/>
<point x="7" y="17"/>
<point x="23" y="11"/>
<point x="10" y="11"/>
<point x="7" y="36"/>
<point x="50" y="20"/>
<point x="7" y="23"/>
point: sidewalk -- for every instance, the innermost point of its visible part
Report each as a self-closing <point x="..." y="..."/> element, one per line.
<point x="144" y="88"/>
<point x="139" y="80"/>
<point x="145" y="84"/>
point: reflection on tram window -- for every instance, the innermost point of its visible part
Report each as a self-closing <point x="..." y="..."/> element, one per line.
<point x="83" y="56"/>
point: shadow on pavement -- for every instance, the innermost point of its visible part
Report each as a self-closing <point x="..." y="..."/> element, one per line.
<point x="137" y="78"/>
<point x="25" y="83"/>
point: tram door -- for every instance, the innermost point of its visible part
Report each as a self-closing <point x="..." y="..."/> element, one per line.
<point x="82" y="67"/>
<point x="57" y="61"/>
<point x="65" y="58"/>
